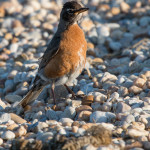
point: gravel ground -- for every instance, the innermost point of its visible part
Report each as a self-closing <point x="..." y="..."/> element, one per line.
<point x="114" y="114"/>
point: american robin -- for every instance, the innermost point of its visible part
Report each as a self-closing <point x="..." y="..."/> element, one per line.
<point x="65" y="55"/>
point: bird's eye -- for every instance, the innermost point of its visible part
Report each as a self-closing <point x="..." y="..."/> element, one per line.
<point x="70" y="11"/>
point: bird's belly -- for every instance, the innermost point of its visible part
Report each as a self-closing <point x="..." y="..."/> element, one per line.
<point x="68" y="78"/>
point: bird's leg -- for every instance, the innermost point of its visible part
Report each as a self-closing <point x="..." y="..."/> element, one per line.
<point x="53" y="94"/>
<point x="70" y="91"/>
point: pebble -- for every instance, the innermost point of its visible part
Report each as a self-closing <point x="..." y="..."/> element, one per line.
<point x="64" y="120"/>
<point x="8" y="135"/>
<point x="115" y="10"/>
<point x="89" y="147"/>
<point x="1" y="141"/>
<point x="45" y="136"/>
<point x="21" y="131"/>
<point x="115" y="46"/>
<point x="69" y="112"/>
<point x="74" y="129"/>
<point x="4" y="117"/>
<point x="124" y="7"/>
<point x="139" y="82"/>
<point x="62" y="132"/>
<point x="134" y="89"/>
<point x="129" y="118"/>
<point x="2" y="104"/>
<point x="51" y="115"/>
<point x="12" y="126"/>
<point x="144" y="21"/>
<point x="99" y="117"/>
<point x="17" y="118"/>
<point x="83" y="108"/>
<point x="137" y="133"/>
<point x="12" y="98"/>
<point x="122" y="107"/>
<point x="84" y="115"/>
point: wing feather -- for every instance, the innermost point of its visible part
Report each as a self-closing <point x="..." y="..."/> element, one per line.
<point x="50" y="52"/>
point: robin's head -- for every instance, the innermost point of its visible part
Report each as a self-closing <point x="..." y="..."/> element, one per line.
<point x="71" y="11"/>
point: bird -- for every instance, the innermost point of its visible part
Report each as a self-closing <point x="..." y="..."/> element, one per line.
<point x="65" y="56"/>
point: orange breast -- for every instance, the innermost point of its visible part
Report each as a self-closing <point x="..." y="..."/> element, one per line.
<point x="72" y="45"/>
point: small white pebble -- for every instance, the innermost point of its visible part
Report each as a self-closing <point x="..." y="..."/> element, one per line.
<point x="8" y="135"/>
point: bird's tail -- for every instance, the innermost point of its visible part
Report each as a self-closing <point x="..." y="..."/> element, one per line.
<point x="31" y="96"/>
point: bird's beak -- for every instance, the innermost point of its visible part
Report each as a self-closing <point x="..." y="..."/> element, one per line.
<point x="81" y="10"/>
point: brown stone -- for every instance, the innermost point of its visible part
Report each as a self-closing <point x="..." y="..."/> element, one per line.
<point x="87" y="24"/>
<point x="143" y="76"/>
<point x="69" y="124"/>
<point x="87" y="100"/>
<point x="124" y="7"/>
<point x="8" y="36"/>
<point x="83" y="107"/>
<point x="88" y="125"/>
<point x="21" y="131"/>
<point x="76" y="123"/>
<point x="27" y="108"/>
<point x="134" y="89"/>
<point x="47" y="26"/>
<point x="148" y="84"/>
<point x="138" y="4"/>
<point x="98" y="61"/>
<point x="115" y="10"/>
<point x="74" y="129"/>
<point x="147" y="74"/>
<point x="139" y="82"/>
<point x="104" y="7"/>
<point x="17" y="23"/>
<point x="2" y="64"/>
<point x="90" y="45"/>
<point x="17" y="118"/>
<point x="2" y="12"/>
<point x="84" y="115"/>
<point x="12" y="126"/>
<point x="14" y="40"/>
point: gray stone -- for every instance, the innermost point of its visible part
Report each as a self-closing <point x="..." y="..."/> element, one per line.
<point x="51" y="115"/>
<point x="12" y="74"/>
<point x="45" y="136"/>
<point x="130" y="118"/>
<point x="116" y="34"/>
<point x="21" y="91"/>
<point x="12" y="98"/>
<point x="9" y="86"/>
<point x="63" y="120"/>
<point x="122" y="107"/>
<point x="86" y="88"/>
<point x="96" y="106"/>
<point x="103" y="31"/>
<point x="99" y="117"/>
<point x="69" y="112"/>
<point x="14" y="47"/>
<point x="127" y="39"/>
<point x="115" y="46"/>
<point x="62" y="132"/>
<point x="80" y="132"/>
<point x="144" y="21"/>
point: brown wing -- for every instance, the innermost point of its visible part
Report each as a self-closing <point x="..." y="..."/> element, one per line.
<point x="50" y="52"/>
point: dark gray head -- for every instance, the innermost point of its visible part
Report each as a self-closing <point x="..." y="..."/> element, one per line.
<point x="71" y="11"/>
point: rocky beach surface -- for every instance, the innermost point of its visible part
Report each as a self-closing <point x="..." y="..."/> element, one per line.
<point x="114" y="111"/>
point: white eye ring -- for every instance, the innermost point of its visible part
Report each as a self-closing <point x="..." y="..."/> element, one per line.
<point x="69" y="10"/>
